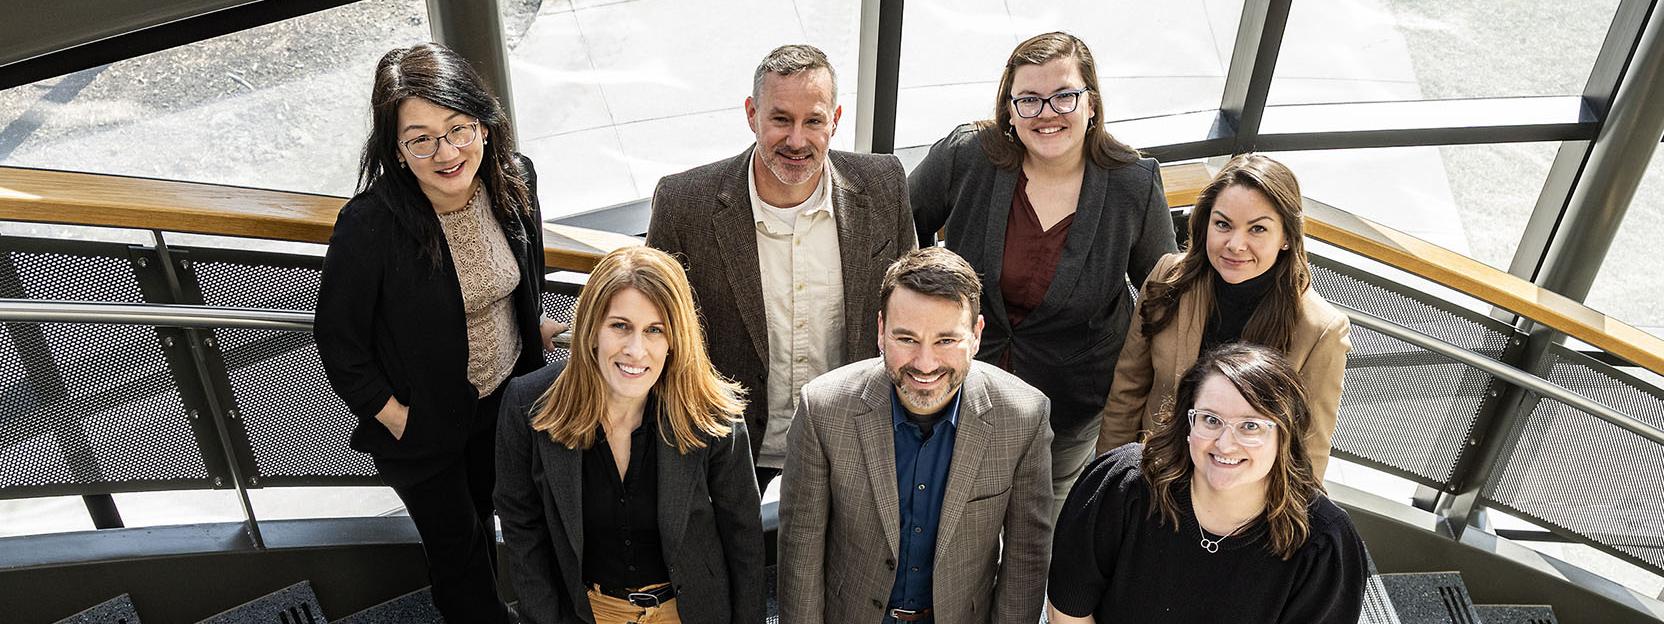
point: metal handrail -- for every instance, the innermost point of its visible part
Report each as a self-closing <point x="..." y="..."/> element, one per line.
<point x="167" y="315"/>
<point x="1504" y="372"/>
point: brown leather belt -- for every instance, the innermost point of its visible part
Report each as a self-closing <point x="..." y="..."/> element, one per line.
<point x="910" y="615"/>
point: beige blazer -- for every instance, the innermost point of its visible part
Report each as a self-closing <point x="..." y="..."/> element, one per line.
<point x="840" y="515"/>
<point x="1148" y="370"/>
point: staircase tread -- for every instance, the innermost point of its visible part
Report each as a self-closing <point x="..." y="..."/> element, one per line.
<point x="115" y="610"/>
<point x="415" y="607"/>
<point x="297" y="600"/>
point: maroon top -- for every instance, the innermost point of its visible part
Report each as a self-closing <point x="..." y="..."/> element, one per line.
<point x="1031" y="255"/>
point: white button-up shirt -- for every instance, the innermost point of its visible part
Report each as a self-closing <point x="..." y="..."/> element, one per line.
<point x="803" y="298"/>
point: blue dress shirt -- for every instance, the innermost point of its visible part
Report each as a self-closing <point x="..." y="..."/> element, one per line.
<point x="921" y="479"/>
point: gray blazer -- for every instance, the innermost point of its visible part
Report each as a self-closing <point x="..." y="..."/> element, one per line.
<point x="840" y="515"/>
<point x="710" y="520"/>
<point x="703" y="216"/>
<point x="1067" y="346"/>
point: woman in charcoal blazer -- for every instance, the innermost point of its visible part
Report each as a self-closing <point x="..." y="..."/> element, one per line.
<point x="429" y="302"/>
<point x="1057" y="216"/>
<point x="625" y="483"/>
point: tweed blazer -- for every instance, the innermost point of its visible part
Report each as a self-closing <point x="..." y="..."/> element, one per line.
<point x="710" y="520"/>
<point x="1148" y="371"/>
<point x="390" y="323"/>
<point x="1067" y="346"/>
<point x="840" y="513"/>
<point x="703" y="217"/>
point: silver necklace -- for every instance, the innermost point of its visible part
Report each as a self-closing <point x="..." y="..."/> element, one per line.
<point x="1212" y="545"/>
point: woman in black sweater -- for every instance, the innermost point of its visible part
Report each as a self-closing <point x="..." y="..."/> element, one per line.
<point x="1219" y="518"/>
<point x="430" y="301"/>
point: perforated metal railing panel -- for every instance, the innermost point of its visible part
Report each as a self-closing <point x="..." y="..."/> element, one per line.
<point x="1403" y="409"/>
<point x="1585" y="476"/>
<point x="87" y="407"/>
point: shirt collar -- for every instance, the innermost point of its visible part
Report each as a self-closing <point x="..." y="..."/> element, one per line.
<point x="819" y="201"/>
<point x="898" y="414"/>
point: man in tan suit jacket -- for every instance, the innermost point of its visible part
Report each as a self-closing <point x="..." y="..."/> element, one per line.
<point x="918" y="484"/>
<point x="785" y="243"/>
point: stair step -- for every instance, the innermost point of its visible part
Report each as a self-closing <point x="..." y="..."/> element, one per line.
<point x="1378" y="605"/>
<point x="295" y="604"/>
<point x="413" y="608"/>
<point x="1516" y="614"/>
<point x="117" y="610"/>
<point x="1430" y="598"/>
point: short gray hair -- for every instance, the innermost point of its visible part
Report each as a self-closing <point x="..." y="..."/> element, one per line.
<point x="787" y="60"/>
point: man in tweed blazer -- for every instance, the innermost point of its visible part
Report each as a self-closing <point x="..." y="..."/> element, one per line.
<point x="785" y="243"/>
<point x="918" y="484"/>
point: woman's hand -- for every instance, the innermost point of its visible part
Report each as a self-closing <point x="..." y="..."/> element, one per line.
<point x="549" y="328"/>
<point x="393" y="416"/>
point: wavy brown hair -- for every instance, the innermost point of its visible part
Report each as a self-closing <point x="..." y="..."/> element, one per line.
<point x="1005" y="150"/>
<point x="1272" y="387"/>
<point x="1272" y="323"/>
<point x="435" y="73"/>
<point x="695" y="402"/>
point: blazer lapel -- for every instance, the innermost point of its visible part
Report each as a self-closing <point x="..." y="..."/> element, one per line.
<point x="1083" y="233"/>
<point x="993" y="244"/>
<point x="564" y="468"/>
<point x="851" y="210"/>
<point x="1192" y="319"/>
<point x="736" y="236"/>
<point x="676" y="473"/>
<point x="969" y="444"/>
<point x="878" y="453"/>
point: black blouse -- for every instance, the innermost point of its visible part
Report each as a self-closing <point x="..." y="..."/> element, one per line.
<point x="1114" y="561"/>
<point x="621" y="528"/>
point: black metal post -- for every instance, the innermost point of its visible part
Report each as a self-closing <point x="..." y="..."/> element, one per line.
<point x="102" y="508"/>
<point x="879" y="76"/>
<point x="1259" y="37"/>
<point x="474" y="29"/>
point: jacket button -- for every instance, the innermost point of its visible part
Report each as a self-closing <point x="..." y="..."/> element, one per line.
<point x="876" y="604"/>
<point x="890" y="563"/>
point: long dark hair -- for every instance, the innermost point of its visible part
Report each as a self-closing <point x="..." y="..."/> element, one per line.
<point x="1006" y="151"/>
<point x="434" y="73"/>
<point x="1272" y="323"/>
<point x="1271" y="386"/>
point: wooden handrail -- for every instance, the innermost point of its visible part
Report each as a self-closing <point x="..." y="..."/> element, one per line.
<point x="70" y="198"/>
<point x="60" y="197"/>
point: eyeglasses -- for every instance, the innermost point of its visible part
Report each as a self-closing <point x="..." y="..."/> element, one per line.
<point x="1249" y="431"/>
<point x="460" y="136"/>
<point x="1062" y="102"/>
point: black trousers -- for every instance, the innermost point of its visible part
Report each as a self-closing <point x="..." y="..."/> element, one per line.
<point x="449" y="500"/>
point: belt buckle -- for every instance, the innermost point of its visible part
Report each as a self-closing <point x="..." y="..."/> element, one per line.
<point x="644" y="600"/>
<point x="898" y="613"/>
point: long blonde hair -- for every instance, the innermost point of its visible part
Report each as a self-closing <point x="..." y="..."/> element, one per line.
<point x="695" y="402"/>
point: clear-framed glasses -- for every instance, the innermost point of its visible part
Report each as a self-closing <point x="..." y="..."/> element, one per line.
<point x="460" y="136"/>
<point x="1248" y="431"/>
<point x="1062" y="102"/>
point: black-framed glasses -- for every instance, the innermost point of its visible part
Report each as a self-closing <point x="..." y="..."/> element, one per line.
<point x="1248" y="431"/>
<point x="460" y="136"/>
<point x="1062" y="103"/>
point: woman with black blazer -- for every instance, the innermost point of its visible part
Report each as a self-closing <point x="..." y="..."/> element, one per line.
<point x="430" y="301"/>
<point x="626" y="487"/>
<point x="1057" y="216"/>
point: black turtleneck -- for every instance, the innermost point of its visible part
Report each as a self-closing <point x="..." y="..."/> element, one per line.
<point x="1233" y="304"/>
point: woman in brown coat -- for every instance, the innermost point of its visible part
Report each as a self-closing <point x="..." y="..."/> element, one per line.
<point x="1243" y="276"/>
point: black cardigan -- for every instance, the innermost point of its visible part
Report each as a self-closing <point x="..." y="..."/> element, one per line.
<point x="390" y="323"/>
<point x="1067" y="347"/>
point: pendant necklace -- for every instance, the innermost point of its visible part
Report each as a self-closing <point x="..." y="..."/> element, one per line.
<point x="1212" y="545"/>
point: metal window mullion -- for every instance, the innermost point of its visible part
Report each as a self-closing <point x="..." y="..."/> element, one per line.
<point x="878" y="76"/>
<point x="474" y="29"/>
<point x="1259" y="38"/>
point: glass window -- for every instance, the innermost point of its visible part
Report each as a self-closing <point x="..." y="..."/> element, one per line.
<point x="1629" y="286"/>
<point x="281" y="106"/>
<point x="35" y="516"/>
<point x="1154" y="58"/>
<point x="609" y="97"/>
<point x="1472" y="199"/>
<point x="1378" y="50"/>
